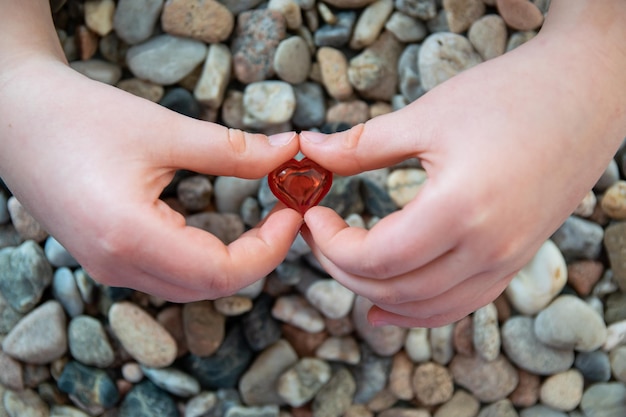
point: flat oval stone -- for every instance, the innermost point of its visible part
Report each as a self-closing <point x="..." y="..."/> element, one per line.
<point x="141" y="335"/>
<point x="25" y="403"/>
<point x="134" y="20"/>
<point x="145" y="399"/>
<point x="91" y="386"/>
<point x="88" y="342"/>
<point x="173" y="380"/>
<point x="292" y="61"/>
<point x="604" y="400"/>
<point x="488" y="381"/>
<point x="563" y="391"/>
<point x="204" y="327"/>
<point x="204" y="20"/>
<point x="65" y="290"/>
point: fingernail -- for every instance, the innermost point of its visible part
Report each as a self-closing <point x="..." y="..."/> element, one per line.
<point x="281" y="139"/>
<point x="314" y="137"/>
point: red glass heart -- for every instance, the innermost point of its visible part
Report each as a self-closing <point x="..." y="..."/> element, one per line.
<point x="300" y="184"/>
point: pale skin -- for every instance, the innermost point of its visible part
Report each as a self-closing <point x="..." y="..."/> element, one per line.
<point x="510" y="148"/>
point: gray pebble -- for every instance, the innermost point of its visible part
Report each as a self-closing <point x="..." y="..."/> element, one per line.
<point x="338" y="34"/>
<point x="406" y="28"/>
<point x="336" y="396"/>
<point x="173" y="381"/>
<point x="57" y="255"/>
<point x="541" y="411"/>
<point x="579" y="238"/>
<point x="165" y="59"/>
<point x="230" y="192"/>
<point x="609" y="177"/>
<point x="301" y="382"/>
<point x="408" y="73"/>
<point x="266" y="198"/>
<point x="134" y="20"/>
<point x="8" y="316"/>
<point x="439" y="23"/>
<point x="298" y="248"/>
<point x="604" y="400"/>
<point x="421" y="9"/>
<point x="618" y="363"/>
<point x="98" y="70"/>
<point x="292" y="62"/>
<point x="595" y="366"/>
<point x="86" y="285"/>
<point x="488" y="35"/>
<point x="144" y="399"/>
<point x="238" y="6"/>
<point x="250" y="211"/>
<point x="181" y="101"/>
<point x="486" y="336"/>
<point x="24" y="404"/>
<point x="215" y="76"/>
<point x="88" y="342"/>
<point x="66" y="292"/>
<point x="518" y="39"/>
<point x="25" y="224"/>
<point x="195" y="193"/>
<point x="310" y="105"/>
<point x="502" y="408"/>
<point x="4" y="210"/>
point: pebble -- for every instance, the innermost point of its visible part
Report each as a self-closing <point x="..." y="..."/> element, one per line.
<point x="86" y="285"/>
<point x="335" y="398"/>
<point x="615" y="307"/>
<point x="268" y="103"/>
<point x="339" y="349"/>
<point x="57" y="255"/>
<point x="11" y="373"/>
<point x="131" y="371"/>
<point x="310" y="105"/>
<point x="98" y="70"/>
<point x="257" y="35"/>
<point x="502" y="408"/>
<point x="292" y="61"/>
<point x="526" y="393"/>
<point x="165" y="59"/>
<point x="141" y="88"/>
<point x="570" y="323"/>
<point x="331" y="298"/>
<point x="250" y="211"/>
<point x="400" y="377"/>
<point x="384" y="340"/>
<point x="25" y="224"/>
<point x="594" y="366"/>
<point x="421" y="9"/>
<point x="374" y="72"/>
<point x="486" y="335"/>
<point x="460" y="14"/>
<point x="257" y="384"/>
<point x="463" y="336"/>
<point x="195" y="192"/>
<point x="181" y="101"/>
<point x="146" y="398"/>
<point x="227" y="227"/>
<point x="65" y="290"/>
<point x="613" y="201"/>
<point x="404" y="184"/>
<point x="408" y="71"/>
<point x="91" y="387"/>
<point x="349" y="4"/>
<point x="299" y="384"/>
<point x="615" y="244"/>
<point x="604" y="400"/>
<point x="4" y="210"/>
<point x="215" y="76"/>
<point x="40" y="337"/>
<point x="350" y="113"/>
<point x="66" y="411"/>
<point x="370" y="374"/>
<point x="8" y="316"/>
<point x="562" y="391"/>
<point x="260" y="328"/>
<point x="201" y="404"/>
<point x="520" y="14"/>
<point x="370" y="23"/>
<point x="406" y="28"/>
<point x="541" y="411"/>
<point x="141" y="335"/>
<point x="290" y="10"/>
<point x="24" y="403"/>
<point x="336" y="35"/>
<point x="297" y="311"/>
<point x="616" y="335"/>
<point x="579" y="238"/>
<point x="609" y="177"/>
<point x="587" y="206"/>
<point x="618" y="363"/>
<point x="487" y="381"/>
<point x="173" y="380"/>
<point x="584" y="275"/>
<point x="205" y="20"/>
<point x="441" y="343"/>
<point x="89" y="343"/>
<point x="264" y="411"/>
<point x="134" y="20"/>
<point x="99" y="16"/>
<point x="442" y="56"/>
<point x="433" y="384"/>
<point x="233" y="306"/>
<point x="334" y="69"/>
<point x="461" y="404"/>
<point x="488" y="35"/>
<point x="204" y="327"/>
<point x="519" y="38"/>
<point x="526" y="351"/>
<point x="536" y="285"/>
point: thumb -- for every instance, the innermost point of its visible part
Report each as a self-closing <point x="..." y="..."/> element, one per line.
<point x="380" y="142"/>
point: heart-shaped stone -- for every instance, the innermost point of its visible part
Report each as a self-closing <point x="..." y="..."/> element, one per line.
<point x="300" y="185"/>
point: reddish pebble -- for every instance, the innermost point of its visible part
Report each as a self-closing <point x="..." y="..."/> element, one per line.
<point x="520" y="14"/>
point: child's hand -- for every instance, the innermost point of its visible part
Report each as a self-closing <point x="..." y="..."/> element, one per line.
<point x="90" y="161"/>
<point x="510" y="147"/>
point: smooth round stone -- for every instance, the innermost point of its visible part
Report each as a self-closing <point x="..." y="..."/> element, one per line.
<point x="299" y="384"/>
<point x="541" y="411"/>
<point x="141" y="88"/>
<point x="99" y="16"/>
<point x="250" y="211"/>
<point x="25" y="224"/>
<point x="268" y="103"/>
<point x="11" y="373"/>
<point x="442" y="343"/>
<point x="24" y="403"/>
<point x="524" y="349"/>
<point x="462" y="13"/>
<point x="520" y="14"/>
<point x="232" y="109"/>
<point x="562" y="391"/>
<point x="349" y="113"/>
<point x="86" y="285"/>
<point x="616" y="335"/>
<point x="257" y="384"/>
<point x="141" y="335"/>
<point x="57" y="255"/>
<point x="539" y="281"/>
<point x="292" y="61"/>
<point x="134" y="20"/>
<point x="615" y="244"/>
<point x="259" y="327"/>
<point x="173" y="380"/>
<point x="336" y="396"/>
<point x="181" y="101"/>
<point x="594" y="366"/>
<point x="584" y="275"/>
<point x="587" y="205"/>
<point x="40" y="337"/>
<point x="213" y="81"/>
<point x="296" y="310"/>
<point x="145" y="399"/>
<point x="8" y="316"/>
<point x="89" y="343"/>
<point x="257" y="35"/>
<point x="334" y="70"/>
<point x="406" y="28"/>
<point x="201" y="404"/>
<point x="98" y="70"/>
<point x="195" y="192"/>
<point x="417" y="345"/>
<point x="488" y="35"/>
<point x="579" y="238"/>
<point x="421" y="9"/>
<point x="131" y="371"/>
<point x="337" y="34"/>
<point x="331" y="298"/>
<point x="238" y="6"/>
<point x="404" y="184"/>
<point x="165" y="59"/>
<point x="609" y="177"/>
<point x="618" y="363"/>
<point x="339" y="349"/>
<point x="205" y="20"/>
<point x="527" y="392"/>
<point x="518" y="39"/>
<point x="233" y="306"/>
<point x="461" y="404"/>
<point x="370" y="23"/>
<point x="204" y="327"/>
<point x="384" y="340"/>
<point x="225" y="226"/>
<point x="486" y="335"/>
<point x="400" y="383"/>
<point x="230" y="192"/>
<point x="408" y="70"/>
<point x="432" y="384"/>
<point x="613" y="201"/>
<point x="92" y="387"/>
<point x="502" y="408"/>
<point x="570" y="323"/>
<point x="487" y="381"/>
<point x="24" y="275"/>
<point x="310" y="105"/>
<point x="604" y="400"/>
<point x="615" y="307"/>
<point x="443" y="55"/>
<point x="65" y="290"/>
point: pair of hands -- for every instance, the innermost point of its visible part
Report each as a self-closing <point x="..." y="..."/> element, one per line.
<point x="510" y="148"/>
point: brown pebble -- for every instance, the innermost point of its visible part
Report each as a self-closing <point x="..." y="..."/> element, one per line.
<point x="400" y="376"/>
<point x="351" y="112"/>
<point x="205" y="20"/>
<point x="11" y="372"/>
<point x="87" y="42"/>
<point x="520" y="14"/>
<point x="334" y="70"/>
<point x="583" y="275"/>
<point x="204" y="327"/>
<point x="339" y="327"/>
<point x="463" y="336"/>
<point x="171" y="318"/>
<point x="527" y="391"/>
<point x="432" y="384"/>
<point x="503" y="307"/>
<point x="305" y="344"/>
